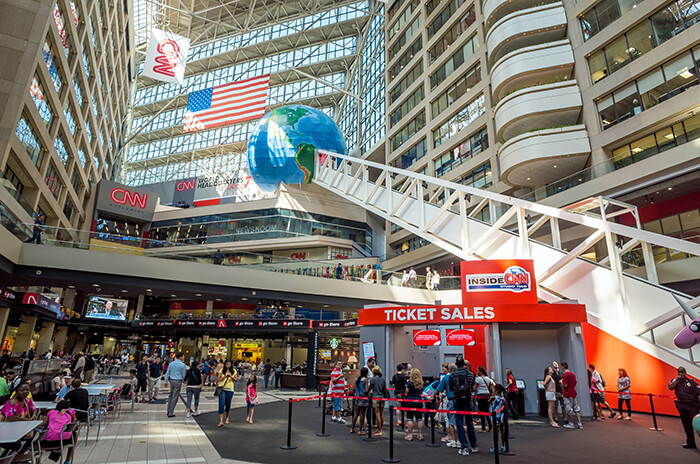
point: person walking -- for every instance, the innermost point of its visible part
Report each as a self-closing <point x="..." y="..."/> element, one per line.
<point x="361" y="390"/>
<point x="687" y="402"/>
<point x="79" y="366"/>
<point x="267" y="370"/>
<point x="251" y="397"/>
<point x="155" y="373"/>
<point x="39" y="227"/>
<point x="513" y="394"/>
<point x="557" y="375"/>
<point x="174" y="375"/>
<point x="483" y="386"/>
<point x="428" y="278"/>
<point x="412" y="277"/>
<point x="624" y="396"/>
<point x="337" y="387"/>
<point x="414" y="389"/>
<point x="142" y="378"/>
<point x="568" y="382"/>
<point x="404" y="279"/>
<point x="599" y="382"/>
<point x="226" y="379"/>
<point x="550" y="394"/>
<point x="462" y="384"/>
<point x="379" y="391"/>
<point x="435" y="281"/>
<point x="194" y="382"/>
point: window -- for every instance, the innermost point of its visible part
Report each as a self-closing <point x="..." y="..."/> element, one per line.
<point x="407" y="35"/>
<point x="61" y="149"/>
<point x="408" y="131"/>
<point x="78" y="91"/>
<point x="452" y="35"/>
<point x="414" y="99"/>
<point x="25" y="133"/>
<point x="406" y="82"/>
<point x="81" y="155"/>
<point x="459" y="121"/>
<point x="405" y="58"/>
<point x="70" y="117"/>
<point x="471" y="146"/>
<point x="403" y="18"/>
<point x="454" y="62"/>
<point x="478" y="178"/>
<point x="667" y="23"/>
<point x="443" y="17"/>
<point x="77" y="183"/>
<point x="53" y="181"/>
<point x="69" y="209"/>
<point x="413" y="154"/>
<point x="680" y="75"/>
<point x="62" y="32"/>
<point x="37" y="92"/>
<point x="616" y="54"/>
<point x="88" y="131"/>
<point x="50" y="59"/>
<point x="651" y="87"/>
<point x="456" y="90"/>
<point x="86" y="64"/>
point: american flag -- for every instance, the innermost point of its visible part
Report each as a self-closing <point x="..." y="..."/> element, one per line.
<point x="226" y="104"/>
<point x="59" y="24"/>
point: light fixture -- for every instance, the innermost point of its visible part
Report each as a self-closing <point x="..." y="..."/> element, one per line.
<point x="124" y="291"/>
<point x="197" y="294"/>
<point x="173" y="295"/>
<point x="244" y="299"/>
<point x="218" y="299"/>
<point x="149" y="290"/>
<point x="95" y="285"/>
<point x="71" y="286"/>
<point x="670" y="188"/>
<point x="325" y="306"/>
<point x="554" y="166"/>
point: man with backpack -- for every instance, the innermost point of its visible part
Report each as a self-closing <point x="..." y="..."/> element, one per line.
<point x="398" y="381"/>
<point x="461" y="383"/>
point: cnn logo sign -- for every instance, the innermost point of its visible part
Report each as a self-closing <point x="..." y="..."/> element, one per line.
<point x="123" y="196"/>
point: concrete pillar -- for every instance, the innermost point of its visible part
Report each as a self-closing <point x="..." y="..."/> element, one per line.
<point x="45" y="338"/>
<point x="210" y="308"/>
<point x="24" y="335"/>
<point x="139" y="304"/>
<point x="205" y="346"/>
<point x="68" y="298"/>
<point x="4" y="313"/>
<point x="59" y="342"/>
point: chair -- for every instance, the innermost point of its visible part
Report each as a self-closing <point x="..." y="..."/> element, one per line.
<point x="7" y="459"/>
<point x="72" y="427"/>
<point x="31" y="451"/>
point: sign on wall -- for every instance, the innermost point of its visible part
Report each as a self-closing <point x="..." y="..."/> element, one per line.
<point x="126" y="201"/>
<point x="498" y="281"/>
<point x="237" y="185"/>
<point x="166" y="57"/>
<point x="426" y="337"/>
<point x="460" y="337"/>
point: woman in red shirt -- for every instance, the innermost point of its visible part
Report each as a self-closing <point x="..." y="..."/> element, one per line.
<point x="513" y="394"/>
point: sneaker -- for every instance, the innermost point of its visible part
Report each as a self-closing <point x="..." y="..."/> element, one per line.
<point x="453" y="444"/>
<point x="197" y="412"/>
<point x="463" y="452"/>
<point x="503" y="449"/>
<point x="580" y="425"/>
<point x="628" y="418"/>
<point x="569" y="426"/>
<point x="475" y="450"/>
<point x="334" y="419"/>
<point x="341" y="420"/>
<point x="188" y="415"/>
<point x="612" y="415"/>
<point x="620" y="417"/>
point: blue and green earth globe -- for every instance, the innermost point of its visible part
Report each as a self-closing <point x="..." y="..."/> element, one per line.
<point x="282" y="146"/>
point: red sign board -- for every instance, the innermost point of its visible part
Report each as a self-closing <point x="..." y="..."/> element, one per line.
<point x="459" y="314"/>
<point x="426" y="337"/>
<point x="460" y="337"/>
<point x="123" y="196"/>
<point x="498" y="281"/>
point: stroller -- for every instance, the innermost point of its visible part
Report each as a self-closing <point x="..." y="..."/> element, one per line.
<point x="347" y="405"/>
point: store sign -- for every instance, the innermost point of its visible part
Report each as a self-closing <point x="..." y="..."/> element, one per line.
<point x="237" y="185"/>
<point x="247" y="345"/>
<point x="125" y="201"/>
<point x="460" y="337"/>
<point x="334" y="324"/>
<point x="426" y="337"/>
<point x="335" y="343"/>
<point x="499" y="281"/>
<point x="42" y="301"/>
<point x="459" y="314"/>
<point x="8" y="295"/>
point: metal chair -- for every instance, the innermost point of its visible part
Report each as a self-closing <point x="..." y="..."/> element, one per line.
<point x="72" y="427"/>
<point x="7" y="459"/>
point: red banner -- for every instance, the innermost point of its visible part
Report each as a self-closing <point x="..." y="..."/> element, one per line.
<point x="458" y="314"/>
<point x="426" y="337"/>
<point x="498" y="281"/>
<point x="460" y="337"/>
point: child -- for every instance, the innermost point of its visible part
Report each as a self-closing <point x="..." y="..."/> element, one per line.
<point x="251" y="397"/>
<point x="56" y="419"/>
<point x="496" y="403"/>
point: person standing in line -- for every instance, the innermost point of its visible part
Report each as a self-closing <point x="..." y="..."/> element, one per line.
<point x="482" y="387"/>
<point x="38" y="228"/>
<point x="550" y="394"/>
<point x="623" y="386"/>
<point x="687" y="402"/>
<point x="142" y="378"/>
<point x="278" y="375"/>
<point x="412" y="277"/>
<point x="379" y="392"/>
<point x="557" y="375"/>
<point x="444" y="387"/>
<point x="337" y="387"/>
<point x="251" y="397"/>
<point x="513" y="394"/>
<point x="361" y="390"/>
<point x="174" y="375"/>
<point x="398" y="381"/>
<point x="568" y="383"/>
<point x="496" y="404"/>
<point x="462" y="384"/>
<point x="597" y="413"/>
<point x="404" y="279"/>
<point x="414" y="390"/>
<point x="226" y="380"/>
<point x="266" y="372"/>
<point x="600" y="388"/>
<point x="155" y="372"/>
<point x="193" y="387"/>
<point x="428" y="278"/>
<point x="371" y="362"/>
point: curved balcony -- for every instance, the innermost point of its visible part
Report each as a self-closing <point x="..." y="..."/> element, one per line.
<point x="538" y="64"/>
<point x="497" y="9"/>
<point x="523" y="28"/>
<point x="541" y="157"/>
<point x="532" y="108"/>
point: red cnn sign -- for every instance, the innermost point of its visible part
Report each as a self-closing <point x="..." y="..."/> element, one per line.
<point x="168" y="54"/>
<point x="123" y="196"/>
<point x="498" y="281"/>
<point x="186" y="185"/>
<point x="426" y="337"/>
<point x="460" y="337"/>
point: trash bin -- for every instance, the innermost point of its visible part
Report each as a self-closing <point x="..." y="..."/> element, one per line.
<point x="541" y="399"/>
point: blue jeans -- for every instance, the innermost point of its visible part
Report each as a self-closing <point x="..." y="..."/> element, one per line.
<point x="193" y="392"/>
<point x="337" y="404"/>
<point x="225" y="401"/>
<point x="267" y="379"/>
<point x="465" y="405"/>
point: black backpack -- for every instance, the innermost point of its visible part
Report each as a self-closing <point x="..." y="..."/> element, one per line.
<point x="459" y="385"/>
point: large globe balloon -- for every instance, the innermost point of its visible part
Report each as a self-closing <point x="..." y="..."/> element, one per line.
<point x="281" y="148"/>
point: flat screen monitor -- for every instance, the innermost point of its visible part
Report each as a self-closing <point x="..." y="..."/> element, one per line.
<point x="103" y="307"/>
<point x="520" y="383"/>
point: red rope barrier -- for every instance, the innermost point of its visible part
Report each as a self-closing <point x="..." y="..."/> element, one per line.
<point x="634" y="394"/>
<point x="448" y="411"/>
<point x="294" y="400"/>
<point x="377" y="398"/>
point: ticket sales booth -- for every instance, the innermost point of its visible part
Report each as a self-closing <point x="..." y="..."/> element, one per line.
<point x="500" y="324"/>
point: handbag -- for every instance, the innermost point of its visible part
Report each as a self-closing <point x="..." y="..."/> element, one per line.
<point x="218" y="390"/>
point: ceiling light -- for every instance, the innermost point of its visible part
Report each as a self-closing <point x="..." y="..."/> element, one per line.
<point x="124" y="291"/>
<point x="670" y="188"/>
<point x="244" y="299"/>
<point x="71" y="286"/>
<point x="149" y="290"/>
<point x="173" y="295"/>
<point x="555" y="166"/>
<point x="528" y="178"/>
<point x="325" y="306"/>
<point x="197" y="294"/>
<point x="218" y="299"/>
<point x="95" y="285"/>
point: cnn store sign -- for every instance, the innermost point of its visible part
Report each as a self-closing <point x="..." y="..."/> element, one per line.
<point x="126" y="201"/>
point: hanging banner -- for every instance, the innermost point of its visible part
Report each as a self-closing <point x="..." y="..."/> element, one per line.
<point x="166" y="57"/>
<point x="498" y="281"/>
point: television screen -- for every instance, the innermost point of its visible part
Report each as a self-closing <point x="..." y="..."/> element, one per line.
<point x="102" y="307"/>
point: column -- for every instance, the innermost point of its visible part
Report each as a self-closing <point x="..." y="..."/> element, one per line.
<point x="139" y="305"/>
<point x="205" y="346"/>
<point x="59" y="342"/>
<point x="4" y="313"/>
<point x="24" y="335"/>
<point x="68" y="298"/>
<point x="210" y="308"/>
<point x="45" y="338"/>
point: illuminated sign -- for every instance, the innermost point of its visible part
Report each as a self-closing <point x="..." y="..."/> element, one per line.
<point x="125" y="201"/>
<point x="498" y="281"/>
<point x="514" y="279"/>
<point x="460" y="337"/>
<point x="247" y="345"/>
<point x="335" y="343"/>
<point x="426" y="337"/>
<point x="123" y="196"/>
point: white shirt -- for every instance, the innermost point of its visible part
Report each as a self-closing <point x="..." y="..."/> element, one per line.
<point x="482" y="385"/>
<point x="404" y="278"/>
<point x="436" y="278"/>
<point x="412" y="274"/>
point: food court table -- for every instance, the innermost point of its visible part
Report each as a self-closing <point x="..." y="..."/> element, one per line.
<point x="11" y="432"/>
<point x="45" y="405"/>
<point x="98" y="389"/>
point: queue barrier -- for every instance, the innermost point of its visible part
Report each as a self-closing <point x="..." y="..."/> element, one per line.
<point x="651" y="397"/>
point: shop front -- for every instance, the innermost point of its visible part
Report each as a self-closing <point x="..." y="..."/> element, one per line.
<point x="499" y="325"/>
